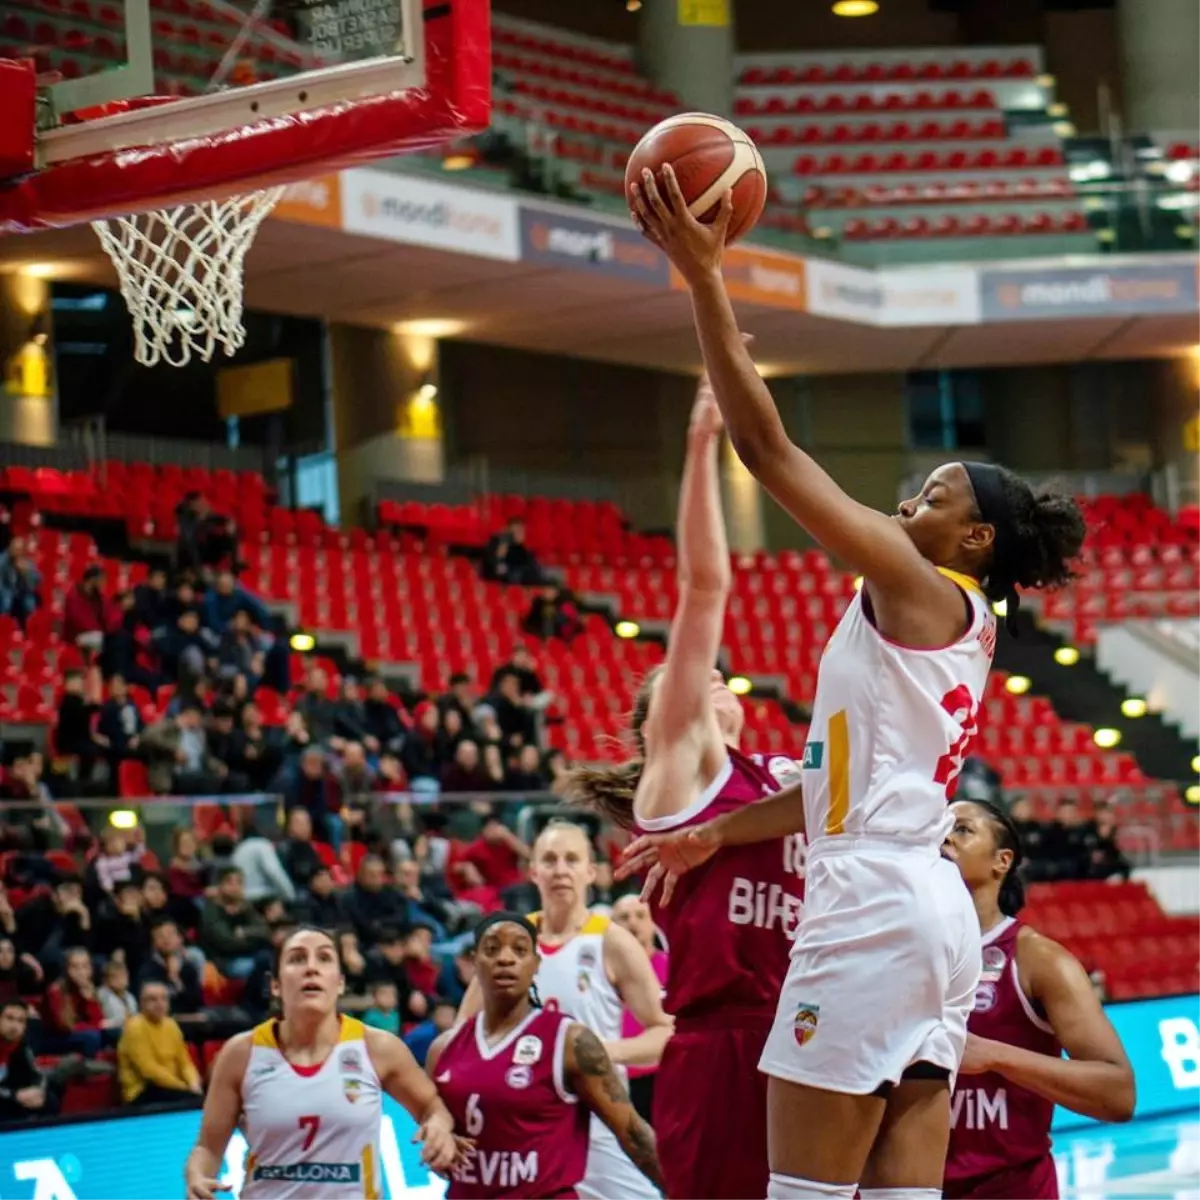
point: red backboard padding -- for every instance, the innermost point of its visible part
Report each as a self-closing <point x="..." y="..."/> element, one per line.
<point x="456" y="101"/>
<point x="18" y="94"/>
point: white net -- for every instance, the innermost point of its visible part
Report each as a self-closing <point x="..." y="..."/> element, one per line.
<point x="181" y="274"/>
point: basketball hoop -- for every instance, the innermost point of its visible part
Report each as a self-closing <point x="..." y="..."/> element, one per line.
<point x="181" y="274"/>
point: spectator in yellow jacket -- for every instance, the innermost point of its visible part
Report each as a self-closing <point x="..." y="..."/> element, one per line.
<point x="153" y="1064"/>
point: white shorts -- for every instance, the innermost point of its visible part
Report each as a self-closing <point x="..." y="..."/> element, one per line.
<point x="883" y="970"/>
<point x="610" y="1175"/>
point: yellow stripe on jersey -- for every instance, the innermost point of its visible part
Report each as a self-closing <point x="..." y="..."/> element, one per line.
<point x="353" y="1030"/>
<point x="264" y="1035"/>
<point x="838" y="740"/>
<point x="368" y="1173"/>
<point x="963" y="581"/>
<point x="596" y="922"/>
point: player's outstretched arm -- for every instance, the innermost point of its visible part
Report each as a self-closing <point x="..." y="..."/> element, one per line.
<point x="641" y="994"/>
<point x="865" y="540"/>
<point x="1096" y="1080"/>
<point x="591" y="1076"/>
<point x="402" y="1078"/>
<point x="222" y="1107"/>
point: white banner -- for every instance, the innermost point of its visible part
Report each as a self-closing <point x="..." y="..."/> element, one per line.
<point x="403" y="208"/>
<point x="939" y="296"/>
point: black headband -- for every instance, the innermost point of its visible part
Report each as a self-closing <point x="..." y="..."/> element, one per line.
<point x="988" y="485"/>
<point x="505" y="918"/>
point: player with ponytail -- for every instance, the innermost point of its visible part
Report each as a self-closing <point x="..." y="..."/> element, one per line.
<point x="1034" y="1001"/>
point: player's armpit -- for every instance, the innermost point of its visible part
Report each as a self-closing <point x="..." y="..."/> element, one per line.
<point x="592" y="1077"/>
<point x="222" y="1107"/>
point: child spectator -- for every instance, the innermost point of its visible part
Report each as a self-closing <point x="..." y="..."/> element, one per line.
<point x="384" y="1012"/>
<point x="421" y="1037"/>
<point x="114" y="863"/>
<point x="419" y="964"/>
<point x="116" y="1000"/>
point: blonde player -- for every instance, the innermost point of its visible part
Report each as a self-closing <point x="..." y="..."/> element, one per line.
<point x="592" y="970"/>
<point x="307" y="1090"/>
<point x="871" y="1022"/>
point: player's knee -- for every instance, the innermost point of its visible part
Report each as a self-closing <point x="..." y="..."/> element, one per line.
<point x="792" y="1187"/>
<point x="901" y="1194"/>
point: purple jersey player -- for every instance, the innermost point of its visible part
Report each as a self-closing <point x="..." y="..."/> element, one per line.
<point x="522" y="1082"/>
<point x="1033" y="1002"/>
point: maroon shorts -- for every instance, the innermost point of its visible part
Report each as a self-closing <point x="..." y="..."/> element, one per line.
<point x="1037" y="1180"/>
<point x="710" y="1113"/>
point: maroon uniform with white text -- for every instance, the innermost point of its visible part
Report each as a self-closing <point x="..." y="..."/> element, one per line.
<point x="531" y="1133"/>
<point x="1000" y="1135"/>
<point x="729" y="928"/>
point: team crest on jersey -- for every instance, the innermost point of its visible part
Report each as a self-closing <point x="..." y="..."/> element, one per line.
<point x="805" y="1022"/>
<point x="587" y="957"/>
<point x="994" y="962"/>
<point x="351" y="1061"/>
<point x="985" y="997"/>
<point x="584" y="981"/>
<point x="352" y="1089"/>
<point x="814" y="755"/>
<point x="518" y="1077"/>
<point x="785" y="771"/>
<point x="528" y="1051"/>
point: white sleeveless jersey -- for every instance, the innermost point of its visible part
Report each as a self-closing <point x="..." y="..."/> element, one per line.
<point x="891" y="727"/>
<point x="573" y="978"/>
<point x="311" y="1136"/>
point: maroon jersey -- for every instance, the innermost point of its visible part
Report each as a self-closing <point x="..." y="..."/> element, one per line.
<point x="998" y="1127"/>
<point x="730" y="924"/>
<point x="531" y="1134"/>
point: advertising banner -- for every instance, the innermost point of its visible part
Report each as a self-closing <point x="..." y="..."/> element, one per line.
<point x="938" y="296"/>
<point x="1033" y="295"/>
<point x="421" y="212"/>
<point x="316" y="201"/>
<point x="555" y="239"/>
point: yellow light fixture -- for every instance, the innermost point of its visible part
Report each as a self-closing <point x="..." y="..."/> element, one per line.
<point x="855" y="8"/>
<point x="1000" y="608"/>
<point x="432" y="327"/>
<point x="1196" y="764"/>
<point x="1133" y="707"/>
<point x="1066" y="656"/>
<point x="1106" y="739"/>
<point x="1017" y="685"/>
<point x="123" y="818"/>
<point x="41" y="270"/>
<point x="1192" y="794"/>
<point x="633" y="5"/>
<point x="739" y="685"/>
<point x="302" y="643"/>
<point x="628" y="629"/>
<point x="427" y="393"/>
<point x="458" y="162"/>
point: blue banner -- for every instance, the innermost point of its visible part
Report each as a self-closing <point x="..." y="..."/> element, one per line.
<point x="142" y="1157"/>
<point x="554" y="239"/>
<point x="1033" y="295"/>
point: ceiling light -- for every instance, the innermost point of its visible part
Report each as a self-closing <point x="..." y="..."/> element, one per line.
<point x="1192" y="794"/>
<point x="739" y="685"/>
<point x="40" y="270"/>
<point x="432" y="327"/>
<point x="627" y="629"/>
<point x="1017" y="685"/>
<point x="1000" y="608"/>
<point x="302" y="643"/>
<point x="633" y="5"/>
<point x="427" y="392"/>
<point x="461" y="161"/>
<point x="123" y="818"/>
<point x="1196" y="764"/>
<point x="1066" y="656"/>
<point x="1133" y="707"/>
<point x="1106" y="739"/>
<point x="855" y="8"/>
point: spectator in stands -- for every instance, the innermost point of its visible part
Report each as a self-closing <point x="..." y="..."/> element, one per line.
<point x="256" y="998"/>
<point x="122" y="653"/>
<point x="20" y="583"/>
<point x="297" y="853"/>
<point x="554" y="612"/>
<point x="87" y="615"/>
<point x="461" y="697"/>
<point x="232" y="933"/>
<point x="120" y="723"/>
<point x="456" y="975"/>
<point x="178" y="759"/>
<point x="381" y="719"/>
<point x="72" y="1019"/>
<point x="182" y="599"/>
<point x="355" y="777"/>
<point x="73" y="735"/>
<point x="169" y="965"/>
<point x="371" y="904"/>
<point x="350" y="716"/>
<point x="150" y="600"/>
<point x="1107" y="860"/>
<point x="185" y="871"/>
<point x="506" y="558"/>
<point x="37" y="828"/>
<point x="423" y="969"/>
<point x="384" y="1012"/>
<point x="184" y="650"/>
<point x="498" y="854"/>
<point x="239" y="651"/>
<point x="419" y="757"/>
<point x="525" y="772"/>
<point x="466" y="772"/>
<point x="511" y="709"/>
<point x="262" y="873"/>
<point x="220" y="731"/>
<point x="321" y="904"/>
<point x="450" y="733"/>
<point x="20" y="975"/>
<point x="115" y="862"/>
<point x="529" y="683"/>
<point x="354" y="963"/>
<point x="1068" y="842"/>
<point x="254" y="751"/>
<point x="153" y="1064"/>
<point x="25" y="1092"/>
<point x="422" y="1036"/>
<point x="123" y="930"/>
<point x="317" y="709"/>
<point x="226" y="600"/>
<point x="206" y="539"/>
<point x="386" y="963"/>
<point x="422" y="908"/>
<point x="116" y="1000"/>
<point x="1034" y="843"/>
<point x="49" y="923"/>
<point x="312" y="788"/>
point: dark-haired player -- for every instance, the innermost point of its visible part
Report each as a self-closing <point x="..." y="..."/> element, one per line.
<point x="287" y="1084"/>
<point x="871" y="1022"/>
<point x="1033" y="1001"/>
<point x="523" y="1082"/>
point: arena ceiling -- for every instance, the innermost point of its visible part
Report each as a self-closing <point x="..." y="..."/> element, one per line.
<point x="309" y="271"/>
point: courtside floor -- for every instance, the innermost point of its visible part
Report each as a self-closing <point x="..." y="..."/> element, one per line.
<point x="1155" y="1159"/>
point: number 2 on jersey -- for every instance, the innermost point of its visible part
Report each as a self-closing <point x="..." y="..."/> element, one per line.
<point x="310" y="1125"/>
<point x="961" y="706"/>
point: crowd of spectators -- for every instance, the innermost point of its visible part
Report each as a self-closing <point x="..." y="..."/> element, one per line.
<point x="1071" y="846"/>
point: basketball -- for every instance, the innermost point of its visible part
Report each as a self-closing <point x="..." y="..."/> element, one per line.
<point x="709" y="156"/>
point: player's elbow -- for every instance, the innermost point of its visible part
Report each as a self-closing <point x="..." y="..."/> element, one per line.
<point x="763" y="448"/>
<point x="1122" y="1098"/>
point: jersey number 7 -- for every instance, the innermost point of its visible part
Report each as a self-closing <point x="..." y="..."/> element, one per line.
<point x="310" y="1125"/>
<point x="963" y="710"/>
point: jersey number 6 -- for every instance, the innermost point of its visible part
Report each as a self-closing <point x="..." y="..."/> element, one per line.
<point x="474" y="1115"/>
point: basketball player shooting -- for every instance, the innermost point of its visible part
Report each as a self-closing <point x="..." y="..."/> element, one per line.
<point x="872" y="1019"/>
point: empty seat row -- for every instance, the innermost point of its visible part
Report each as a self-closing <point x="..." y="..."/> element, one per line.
<point x="967" y="191"/>
<point x="1007" y="224"/>
<point x="873" y="131"/>
<point x="861" y="102"/>
<point x="881" y="72"/>
<point x="1015" y="158"/>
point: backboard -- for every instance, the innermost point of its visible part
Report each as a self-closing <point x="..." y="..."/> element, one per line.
<point x="142" y="104"/>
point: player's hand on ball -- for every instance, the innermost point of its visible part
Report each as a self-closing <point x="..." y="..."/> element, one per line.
<point x="694" y="248"/>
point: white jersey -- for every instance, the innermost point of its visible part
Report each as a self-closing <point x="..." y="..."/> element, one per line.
<point x="311" y="1136"/>
<point x="891" y="727"/>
